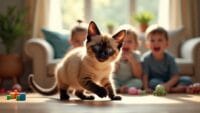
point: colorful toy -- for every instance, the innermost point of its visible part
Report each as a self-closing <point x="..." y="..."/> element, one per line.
<point x="135" y="91"/>
<point x="193" y="89"/>
<point x="159" y="91"/>
<point x="17" y="87"/>
<point x="16" y="95"/>
<point x="21" y="97"/>
<point x="8" y="97"/>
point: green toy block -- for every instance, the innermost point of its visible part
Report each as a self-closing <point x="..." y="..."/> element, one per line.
<point x="8" y="97"/>
<point x="18" y="98"/>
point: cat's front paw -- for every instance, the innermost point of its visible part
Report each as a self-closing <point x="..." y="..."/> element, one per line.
<point x="116" y="98"/>
<point x="101" y="92"/>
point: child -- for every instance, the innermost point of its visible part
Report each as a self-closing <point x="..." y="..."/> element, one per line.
<point x="78" y="34"/>
<point x="159" y="66"/>
<point x="128" y="70"/>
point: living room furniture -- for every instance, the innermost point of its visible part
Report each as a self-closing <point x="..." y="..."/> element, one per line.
<point x="187" y="53"/>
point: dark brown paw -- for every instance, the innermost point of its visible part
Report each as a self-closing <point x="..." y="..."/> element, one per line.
<point x="64" y="97"/>
<point x="101" y="92"/>
<point x="89" y="98"/>
<point x="116" y="98"/>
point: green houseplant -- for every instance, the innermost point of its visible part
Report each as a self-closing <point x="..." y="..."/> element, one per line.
<point x="12" y="27"/>
<point x="110" y="26"/>
<point x="143" y="18"/>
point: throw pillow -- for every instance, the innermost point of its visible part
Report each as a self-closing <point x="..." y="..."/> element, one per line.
<point x="58" y="40"/>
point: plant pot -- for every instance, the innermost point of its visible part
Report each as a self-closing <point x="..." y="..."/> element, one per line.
<point x="110" y="29"/>
<point x="143" y="27"/>
<point x="11" y="66"/>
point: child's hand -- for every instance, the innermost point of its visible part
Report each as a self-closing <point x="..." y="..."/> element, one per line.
<point x="167" y="87"/>
<point x="148" y="90"/>
<point x="128" y="57"/>
<point x="117" y="66"/>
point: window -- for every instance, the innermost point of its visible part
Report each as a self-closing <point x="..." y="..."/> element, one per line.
<point x="147" y="5"/>
<point x="71" y="11"/>
<point x="104" y="11"/>
<point x="107" y="11"/>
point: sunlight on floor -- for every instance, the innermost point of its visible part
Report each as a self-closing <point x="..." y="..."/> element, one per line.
<point x="149" y="99"/>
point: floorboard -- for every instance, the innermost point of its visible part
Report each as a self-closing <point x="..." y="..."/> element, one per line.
<point x="35" y="103"/>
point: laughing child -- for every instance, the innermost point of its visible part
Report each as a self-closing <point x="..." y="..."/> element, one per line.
<point x="159" y="66"/>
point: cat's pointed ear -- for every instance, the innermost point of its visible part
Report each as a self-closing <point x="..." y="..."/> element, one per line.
<point x="92" y="30"/>
<point x="119" y="37"/>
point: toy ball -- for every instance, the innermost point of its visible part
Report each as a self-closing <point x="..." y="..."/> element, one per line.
<point x="160" y="91"/>
<point x="17" y="87"/>
<point x="133" y="91"/>
<point x="160" y="87"/>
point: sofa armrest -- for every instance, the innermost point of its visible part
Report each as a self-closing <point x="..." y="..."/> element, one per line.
<point x="191" y="50"/>
<point x="41" y="53"/>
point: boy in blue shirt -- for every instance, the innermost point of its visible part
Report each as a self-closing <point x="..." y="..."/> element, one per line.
<point x="159" y="66"/>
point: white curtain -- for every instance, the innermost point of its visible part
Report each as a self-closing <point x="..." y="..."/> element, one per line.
<point x="41" y="17"/>
<point x="55" y="18"/>
<point x="47" y="15"/>
<point x="191" y="17"/>
<point x="170" y="14"/>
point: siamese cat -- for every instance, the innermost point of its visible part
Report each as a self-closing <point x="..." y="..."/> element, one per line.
<point x="87" y="68"/>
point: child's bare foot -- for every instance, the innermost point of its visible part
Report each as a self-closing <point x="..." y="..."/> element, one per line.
<point x="178" y="89"/>
<point x="149" y="91"/>
<point x="133" y="91"/>
<point x="193" y="89"/>
<point x="122" y="90"/>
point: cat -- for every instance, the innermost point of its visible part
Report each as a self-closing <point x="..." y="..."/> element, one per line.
<point x="88" y="68"/>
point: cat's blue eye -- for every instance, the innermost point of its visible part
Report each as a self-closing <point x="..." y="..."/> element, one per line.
<point x="109" y="50"/>
<point x="96" y="47"/>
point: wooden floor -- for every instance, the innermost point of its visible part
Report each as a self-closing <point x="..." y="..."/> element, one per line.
<point x="173" y="103"/>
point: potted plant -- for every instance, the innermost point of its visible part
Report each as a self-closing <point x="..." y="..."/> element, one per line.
<point x="12" y="27"/>
<point x="110" y="26"/>
<point x="143" y="18"/>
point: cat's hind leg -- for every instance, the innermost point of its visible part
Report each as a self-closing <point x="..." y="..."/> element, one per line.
<point x="82" y="96"/>
<point x="64" y="94"/>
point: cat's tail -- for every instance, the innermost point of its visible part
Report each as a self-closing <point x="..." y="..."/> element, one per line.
<point x="50" y="91"/>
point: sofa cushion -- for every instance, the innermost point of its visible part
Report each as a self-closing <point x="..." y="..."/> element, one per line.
<point x="186" y="66"/>
<point x="52" y="66"/>
<point x="58" y="40"/>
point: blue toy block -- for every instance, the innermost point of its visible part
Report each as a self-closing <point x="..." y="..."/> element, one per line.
<point x="21" y="97"/>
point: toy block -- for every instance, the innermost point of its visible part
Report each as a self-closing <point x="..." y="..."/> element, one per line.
<point x="21" y="97"/>
<point x="8" y="97"/>
<point x="14" y="94"/>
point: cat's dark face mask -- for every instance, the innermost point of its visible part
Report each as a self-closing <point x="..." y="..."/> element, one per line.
<point x="102" y="51"/>
<point x="103" y="48"/>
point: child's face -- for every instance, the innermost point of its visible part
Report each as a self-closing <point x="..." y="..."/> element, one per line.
<point x="78" y="39"/>
<point x="129" y="44"/>
<point x="157" y="43"/>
